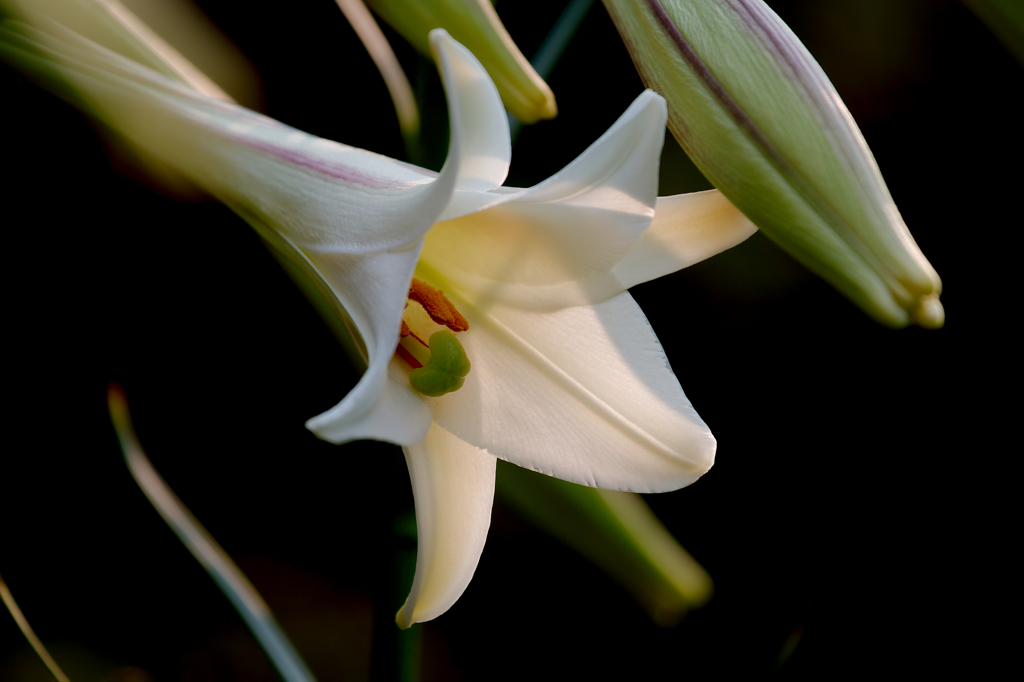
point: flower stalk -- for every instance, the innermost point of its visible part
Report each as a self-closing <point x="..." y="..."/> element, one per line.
<point x="383" y="56"/>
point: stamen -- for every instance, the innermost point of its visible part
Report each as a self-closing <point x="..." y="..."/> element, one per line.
<point x="437" y="306"/>
<point x="440" y="365"/>
<point x="415" y="327"/>
<point x="409" y="358"/>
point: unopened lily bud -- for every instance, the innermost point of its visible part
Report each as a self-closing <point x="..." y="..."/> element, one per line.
<point x="761" y="120"/>
<point x="475" y="24"/>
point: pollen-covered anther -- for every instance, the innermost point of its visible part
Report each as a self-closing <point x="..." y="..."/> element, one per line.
<point x="437" y="306"/>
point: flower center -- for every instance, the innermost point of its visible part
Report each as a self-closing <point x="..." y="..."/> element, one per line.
<point x="427" y="341"/>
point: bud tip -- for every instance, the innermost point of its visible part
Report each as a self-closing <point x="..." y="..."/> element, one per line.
<point x="929" y="312"/>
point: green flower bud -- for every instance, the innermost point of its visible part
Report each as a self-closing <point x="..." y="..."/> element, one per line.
<point x="475" y="24"/>
<point x="758" y="116"/>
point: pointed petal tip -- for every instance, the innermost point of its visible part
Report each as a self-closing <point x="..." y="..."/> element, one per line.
<point x="649" y="94"/>
<point x="702" y="458"/>
<point x="690" y="466"/>
<point x="374" y="410"/>
<point x="404" y="620"/>
<point x="453" y="489"/>
<point x="647" y="103"/>
<point x="480" y="146"/>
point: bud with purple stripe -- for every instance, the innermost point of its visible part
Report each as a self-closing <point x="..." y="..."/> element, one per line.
<point x="761" y="120"/>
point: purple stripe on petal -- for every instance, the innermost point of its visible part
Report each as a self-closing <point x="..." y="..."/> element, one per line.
<point x="338" y="171"/>
<point x="332" y="169"/>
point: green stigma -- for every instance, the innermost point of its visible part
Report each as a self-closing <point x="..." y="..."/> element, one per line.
<point x="446" y="369"/>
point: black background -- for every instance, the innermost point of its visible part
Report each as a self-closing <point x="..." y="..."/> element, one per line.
<point x="860" y="504"/>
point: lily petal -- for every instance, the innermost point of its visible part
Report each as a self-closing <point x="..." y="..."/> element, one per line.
<point x="687" y="228"/>
<point x="585" y="394"/>
<point x="373" y="290"/>
<point x="554" y="245"/>
<point x="374" y="287"/>
<point x="581" y="392"/>
<point x="481" y="144"/>
<point x="453" y="486"/>
<point x="303" y="185"/>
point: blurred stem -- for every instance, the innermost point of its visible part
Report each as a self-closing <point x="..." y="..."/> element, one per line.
<point x="231" y="581"/>
<point x="550" y="51"/>
<point x="383" y="56"/>
<point x="26" y="630"/>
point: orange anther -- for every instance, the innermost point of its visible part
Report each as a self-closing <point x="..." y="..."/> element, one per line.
<point x="437" y="306"/>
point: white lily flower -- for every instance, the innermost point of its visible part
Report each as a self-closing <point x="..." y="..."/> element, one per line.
<point x="567" y="377"/>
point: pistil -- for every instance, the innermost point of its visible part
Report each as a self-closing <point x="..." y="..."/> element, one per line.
<point x="427" y="342"/>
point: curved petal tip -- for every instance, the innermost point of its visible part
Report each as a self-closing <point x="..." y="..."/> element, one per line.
<point x="453" y="487"/>
<point x="480" y="141"/>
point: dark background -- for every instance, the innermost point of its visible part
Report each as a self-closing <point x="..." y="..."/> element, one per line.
<point x="859" y="508"/>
